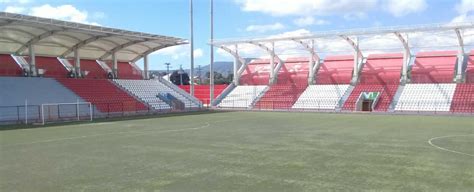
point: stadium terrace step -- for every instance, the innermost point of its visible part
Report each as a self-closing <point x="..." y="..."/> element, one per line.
<point x="463" y="100"/>
<point x="8" y="66"/>
<point x="280" y="97"/>
<point x="127" y="71"/>
<point x="18" y="91"/>
<point x="92" y="68"/>
<point x="52" y="67"/>
<point x="104" y="95"/>
<point x="202" y="91"/>
<point x="426" y="97"/>
<point x="242" y="96"/>
<point x="324" y="97"/>
<point x="387" y="93"/>
<point x="148" y="91"/>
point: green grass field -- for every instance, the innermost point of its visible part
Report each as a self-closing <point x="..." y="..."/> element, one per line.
<point x="243" y="151"/>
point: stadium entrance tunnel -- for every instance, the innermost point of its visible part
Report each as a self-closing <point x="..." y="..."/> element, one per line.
<point x="367" y="101"/>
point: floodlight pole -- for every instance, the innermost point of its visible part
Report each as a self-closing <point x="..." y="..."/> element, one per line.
<point x="191" y="73"/>
<point x="211" y="65"/>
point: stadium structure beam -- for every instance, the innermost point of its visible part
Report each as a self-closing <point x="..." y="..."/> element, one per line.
<point x="120" y="47"/>
<point x="31" y="51"/>
<point x="356" y="32"/>
<point x="115" y="65"/>
<point x="83" y="27"/>
<point x="314" y="59"/>
<point x="461" y="54"/>
<point x="358" y="56"/>
<point x="81" y="44"/>
<point x="37" y="39"/>
<point x="18" y="30"/>
<point x="273" y="69"/>
<point x="239" y="62"/>
<point x="77" y="63"/>
<point x="407" y="56"/>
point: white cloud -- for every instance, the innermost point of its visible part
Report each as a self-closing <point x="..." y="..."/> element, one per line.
<point x="399" y="8"/>
<point x="15" y="9"/>
<point x="198" y="53"/>
<point x="309" y="20"/>
<point x="465" y="9"/>
<point x="355" y="16"/>
<point x="305" y="7"/>
<point x="179" y="51"/>
<point x="15" y="1"/>
<point x="264" y="28"/>
<point x="62" y="12"/>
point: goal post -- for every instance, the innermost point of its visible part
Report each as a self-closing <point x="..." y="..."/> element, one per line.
<point x="64" y="112"/>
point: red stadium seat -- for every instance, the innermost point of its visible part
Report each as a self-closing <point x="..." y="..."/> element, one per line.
<point x="8" y="66"/>
<point x="104" y="95"/>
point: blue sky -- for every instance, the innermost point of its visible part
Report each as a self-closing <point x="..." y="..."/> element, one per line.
<point x="242" y="18"/>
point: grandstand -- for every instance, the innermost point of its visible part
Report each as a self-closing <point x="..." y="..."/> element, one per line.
<point x="57" y="63"/>
<point x="402" y="79"/>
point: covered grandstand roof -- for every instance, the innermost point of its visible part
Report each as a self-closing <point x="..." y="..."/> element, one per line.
<point x="61" y="38"/>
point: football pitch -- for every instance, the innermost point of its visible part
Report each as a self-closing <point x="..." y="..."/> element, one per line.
<point x="243" y="151"/>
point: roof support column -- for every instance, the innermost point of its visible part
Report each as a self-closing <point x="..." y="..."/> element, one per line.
<point x="272" y="65"/>
<point x="239" y="63"/>
<point x="358" y="57"/>
<point x="114" y="65"/>
<point x="461" y="53"/>
<point x="236" y="66"/>
<point x="77" y="63"/>
<point x="145" y="67"/>
<point x="314" y="60"/>
<point x="407" y="56"/>
<point x="33" y="70"/>
<point x="274" y="68"/>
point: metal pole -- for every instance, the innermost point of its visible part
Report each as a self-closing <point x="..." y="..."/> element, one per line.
<point x="26" y="111"/>
<point x="211" y="66"/>
<point x="145" y="67"/>
<point x="77" y="63"/>
<point x="191" y="73"/>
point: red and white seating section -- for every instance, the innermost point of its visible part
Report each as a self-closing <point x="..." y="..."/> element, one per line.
<point x="332" y="82"/>
<point x="431" y="87"/>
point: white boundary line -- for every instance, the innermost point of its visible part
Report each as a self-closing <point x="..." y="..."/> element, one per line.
<point x="449" y="150"/>
<point x="138" y="133"/>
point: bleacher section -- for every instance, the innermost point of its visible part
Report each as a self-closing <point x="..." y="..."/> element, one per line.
<point x="292" y="81"/>
<point x="463" y="100"/>
<point x="321" y="97"/>
<point x="381" y="74"/>
<point x="242" y="96"/>
<point x="18" y="91"/>
<point x="92" y="68"/>
<point x="332" y="82"/>
<point x="104" y="95"/>
<point x="431" y="87"/>
<point x="434" y="67"/>
<point x="426" y="97"/>
<point x="202" y="91"/>
<point x="148" y="91"/>
<point x="256" y="73"/>
<point x="127" y="71"/>
<point x="8" y="66"/>
<point x="52" y="67"/>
